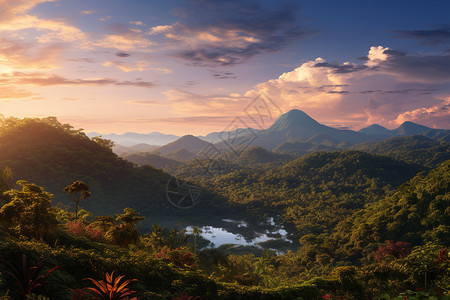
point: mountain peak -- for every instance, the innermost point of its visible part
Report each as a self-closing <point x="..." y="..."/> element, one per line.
<point x="410" y="128"/>
<point x="188" y="142"/>
<point x="374" y="129"/>
<point x="293" y="118"/>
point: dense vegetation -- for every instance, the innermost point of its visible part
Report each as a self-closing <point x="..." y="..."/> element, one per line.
<point x="368" y="226"/>
<point x="54" y="155"/>
<point x="416" y="149"/>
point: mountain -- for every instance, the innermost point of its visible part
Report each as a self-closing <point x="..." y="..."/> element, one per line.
<point x="188" y="142"/>
<point x="180" y="155"/>
<point x="153" y="160"/>
<point x="215" y="137"/>
<point x="324" y="139"/>
<point x="294" y="148"/>
<point x="416" y="149"/>
<point x="123" y="150"/>
<point x="53" y="155"/>
<point x="377" y="131"/>
<point x="296" y="119"/>
<point x="296" y="125"/>
<point x="440" y="135"/>
<point x="410" y="128"/>
<point x="407" y="129"/>
<point x="258" y="155"/>
<point x="132" y="138"/>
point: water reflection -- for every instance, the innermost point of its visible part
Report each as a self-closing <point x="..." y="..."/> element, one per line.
<point x="265" y="235"/>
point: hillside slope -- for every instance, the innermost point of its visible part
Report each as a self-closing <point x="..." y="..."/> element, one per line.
<point x="54" y="155"/>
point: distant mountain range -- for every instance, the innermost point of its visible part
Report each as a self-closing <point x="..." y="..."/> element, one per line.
<point x="406" y="129"/>
<point x="188" y="142"/>
<point x="132" y="138"/>
<point x="293" y="132"/>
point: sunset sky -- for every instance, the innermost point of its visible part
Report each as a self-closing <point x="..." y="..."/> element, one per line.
<point x="191" y="67"/>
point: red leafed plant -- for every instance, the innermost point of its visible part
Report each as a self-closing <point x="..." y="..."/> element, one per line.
<point x="112" y="288"/>
<point x="397" y="250"/>
<point x="78" y="228"/>
<point x="79" y="294"/>
<point x="186" y="296"/>
<point x="28" y="278"/>
<point x="180" y="257"/>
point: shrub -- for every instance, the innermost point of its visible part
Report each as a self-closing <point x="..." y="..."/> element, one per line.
<point x="397" y="250"/>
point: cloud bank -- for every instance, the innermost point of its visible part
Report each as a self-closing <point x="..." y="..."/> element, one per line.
<point x="389" y="88"/>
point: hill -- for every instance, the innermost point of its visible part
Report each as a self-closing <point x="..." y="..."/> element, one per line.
<point x="417" y="149"/>
<point x="296" y="125"/>
<point x="123" y="150"/>
<point x="133" y="138"/>
<point x="407" y="129"/>
<point x="346" y="179"/>
<point x="258" y="155"/>
<point x="54" y="155"/>
<point x="153" y="160"/>
<point x="181" y="155"/>
<point x="188" y="142"/>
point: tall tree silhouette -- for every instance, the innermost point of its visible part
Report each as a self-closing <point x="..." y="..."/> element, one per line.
<point x="79" y="191"/>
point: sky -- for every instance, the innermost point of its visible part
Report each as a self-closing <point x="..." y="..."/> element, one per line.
<point x="197" y="66"/>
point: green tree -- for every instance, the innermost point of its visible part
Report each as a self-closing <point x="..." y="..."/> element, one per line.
<point x="125" y="233"/>
<point x="29" y="211"/>
<point x="196" y="232"/>
<point x="104" y="223"/>
<point x="79" y="191"/>
<point x="108" y="144"/>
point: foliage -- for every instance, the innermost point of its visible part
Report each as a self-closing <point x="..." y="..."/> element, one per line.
<point x="79" y="190"/>
<point x="29" y="211"/>
<point x="416" y="149"/>
<point x="125" y="233"/>
<point x="397" y="250"/>
<point x="28" y="279"/>
<point x="112" y="288"/>
<point x="368" y="226"/>
<point x="52" y="154"/>
<point x="185" y="296"/>
<point x="108" y="144"/>
<point x="180" y="257"/>
<point x="79" y="228"/>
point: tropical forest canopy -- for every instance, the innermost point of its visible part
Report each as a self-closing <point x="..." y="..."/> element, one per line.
<point x="369" y="222"/>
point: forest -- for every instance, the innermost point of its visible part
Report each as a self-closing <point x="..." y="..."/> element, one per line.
<point x="372" y="222"/>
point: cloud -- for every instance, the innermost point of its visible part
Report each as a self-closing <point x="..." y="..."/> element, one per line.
<point x="225" y="33"/>
<point x="419" y="68"/>
<point x="18" y="54"/>
<point x="10" y="92"/>
<point x="127" y="67"/>
<point x="125" y="42"/>
<point x="340" y="68"/>
<point x="137" y="23"/>
<point x="136" y="66"/>
<point x="84" y="59"/>
<point x="88" y="12"/>
<point x="433" y="37"/>
<point x="222" y="74"/>
<point x="161" y="70"/>
<point x="122" y="54"/>
<point x="186" y="102"/>
<point x="437" y="116"/>
<point x="11" y="9"/>
<point x="379" y="90"/>
<point x="30" y="42"/>
<point x="144" y="102"/>
<point x="38" y="79"/>
<point x="388" y="87"/>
